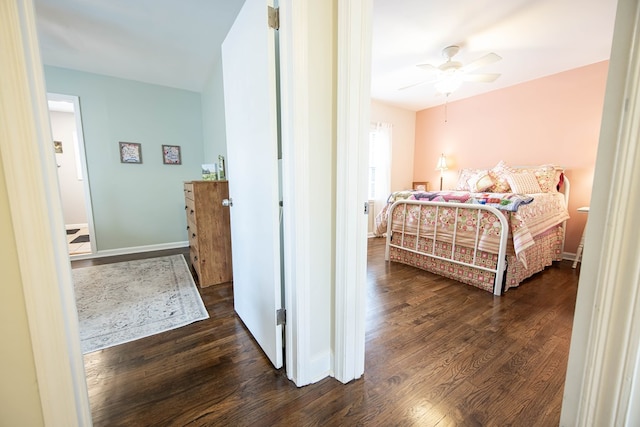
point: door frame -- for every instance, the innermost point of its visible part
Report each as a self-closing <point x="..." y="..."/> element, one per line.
<point x="353" y="123"/>
<point x="352" y="55"/>
<point x="82" y="157"/>
<point x="603" y="372"/>
<point x="36" y="212"/>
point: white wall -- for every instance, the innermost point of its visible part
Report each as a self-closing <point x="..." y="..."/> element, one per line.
<point x="63" y="125"/>
<point x="402" y="144"/>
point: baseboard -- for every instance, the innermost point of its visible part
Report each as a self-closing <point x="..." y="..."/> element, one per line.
<point x="569" y="256"/>
<point x="131" y="250"/>
<point x="320" y="367"/>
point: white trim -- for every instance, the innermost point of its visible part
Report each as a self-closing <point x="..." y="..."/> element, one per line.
<point x="569" y="256"/>
<point x="604" y="353"/>
<point x="31" y="175"/>
<point x="131" y="250"/>
<point x="81" y="154"/>
<point x="353" y="124"/>
<point x="294" y="78"/>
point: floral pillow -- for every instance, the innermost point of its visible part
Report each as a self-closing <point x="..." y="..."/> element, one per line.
<point x="499" y="176"/>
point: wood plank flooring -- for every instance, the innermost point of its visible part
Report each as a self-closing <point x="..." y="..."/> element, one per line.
<point x="438" y="353"/>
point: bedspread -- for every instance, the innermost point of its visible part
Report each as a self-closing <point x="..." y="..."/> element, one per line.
<point x="533" y="215"/>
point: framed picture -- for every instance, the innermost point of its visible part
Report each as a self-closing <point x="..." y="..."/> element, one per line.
<point x="130" y="152"/>
<point x="421" y="186"/>
<point x="171" y="155"/>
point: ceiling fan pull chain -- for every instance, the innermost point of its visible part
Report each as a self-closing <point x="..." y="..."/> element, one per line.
<point x="446" y="108"/>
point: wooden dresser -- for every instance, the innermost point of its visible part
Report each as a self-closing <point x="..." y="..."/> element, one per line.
<point x="209" y="231"/>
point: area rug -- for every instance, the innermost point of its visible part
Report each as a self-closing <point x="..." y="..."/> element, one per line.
<point x="126" y="301"/>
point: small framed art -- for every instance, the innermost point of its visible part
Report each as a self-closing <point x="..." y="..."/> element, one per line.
<point x="421" y="186"/>
<point x="171" y="155"/>
<point x="130" y="152"/>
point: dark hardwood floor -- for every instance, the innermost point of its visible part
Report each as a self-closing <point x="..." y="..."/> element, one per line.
<point x="438" y="353"/>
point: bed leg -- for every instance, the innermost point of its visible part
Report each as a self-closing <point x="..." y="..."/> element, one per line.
<point x="386" y="248"/>
<point x="501" y="279"/>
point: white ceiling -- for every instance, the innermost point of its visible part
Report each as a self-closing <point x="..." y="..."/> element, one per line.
<point x="167" y="42"/>
<point x="175" y="43"/>
<point x="535" y="38"/>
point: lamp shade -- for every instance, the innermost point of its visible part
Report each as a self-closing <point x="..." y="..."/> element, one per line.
<point x="442" y="163"/>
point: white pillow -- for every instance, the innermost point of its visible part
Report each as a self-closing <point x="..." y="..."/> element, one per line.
<point x="480" y="182"/>
<point x="523" y="183"/>
<point x="463" y="178"/>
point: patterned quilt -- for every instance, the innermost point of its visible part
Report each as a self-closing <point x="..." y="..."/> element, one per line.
<point x="527" y="217"/>
<point x="503" y="201"/>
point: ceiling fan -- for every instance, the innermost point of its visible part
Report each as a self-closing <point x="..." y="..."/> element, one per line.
<point x="451" y="74"/>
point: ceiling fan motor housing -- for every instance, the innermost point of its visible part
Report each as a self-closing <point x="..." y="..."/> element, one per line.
<point x="450" y="51"/>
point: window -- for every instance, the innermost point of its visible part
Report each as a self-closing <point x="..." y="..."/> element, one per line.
<point x="379" y="164"/>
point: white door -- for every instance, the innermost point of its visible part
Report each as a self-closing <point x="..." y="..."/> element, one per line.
<point x="249" y="69"/>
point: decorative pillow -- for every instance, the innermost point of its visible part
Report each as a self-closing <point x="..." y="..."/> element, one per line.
<point x="464" y="177"/>
<point x="523" y="183"/>
<point x="547" y="175"/>
<point x="498" y="175"/>
<point x="480" y="182"/>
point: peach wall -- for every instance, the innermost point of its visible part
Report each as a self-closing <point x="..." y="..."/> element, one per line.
<point x="555" y="119"/>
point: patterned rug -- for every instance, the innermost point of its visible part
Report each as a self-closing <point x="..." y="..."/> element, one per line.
<point x="126" y="301"/>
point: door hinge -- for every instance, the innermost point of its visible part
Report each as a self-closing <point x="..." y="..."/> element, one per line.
<point x="281" y="316"/>
<point x="366" y="208"/>
<point x="274" y="18"/>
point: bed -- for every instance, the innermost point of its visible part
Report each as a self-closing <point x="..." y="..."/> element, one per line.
<point x="498" y="226"/>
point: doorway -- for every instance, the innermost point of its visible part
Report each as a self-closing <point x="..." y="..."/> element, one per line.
<point x="73" y="182"/>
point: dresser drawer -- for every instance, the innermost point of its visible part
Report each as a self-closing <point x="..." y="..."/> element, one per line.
<point x="192" y="232"/>
<point x="190" y="210"/>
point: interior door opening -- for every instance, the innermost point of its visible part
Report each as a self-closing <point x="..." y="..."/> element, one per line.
<point x="73" y="183"/>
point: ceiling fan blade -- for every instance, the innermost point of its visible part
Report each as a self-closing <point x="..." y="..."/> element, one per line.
<point x="416" y="84"/>
<point x="485" y="77"/>
<point x="429" y="67"/>
<point x="489" y="58"/>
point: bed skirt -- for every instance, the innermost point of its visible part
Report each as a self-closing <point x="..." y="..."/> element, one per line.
<point x="548" y="248"/>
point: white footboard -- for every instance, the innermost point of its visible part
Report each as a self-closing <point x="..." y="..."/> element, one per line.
<point x="453" y="239"/>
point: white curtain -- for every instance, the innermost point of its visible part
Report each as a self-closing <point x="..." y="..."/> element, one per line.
<point x="379" y="164"/>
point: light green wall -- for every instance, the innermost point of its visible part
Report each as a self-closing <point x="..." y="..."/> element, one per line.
<point x="135" y="204"/>
<point x="213" y="119"/>
<point x="19" y="397"/>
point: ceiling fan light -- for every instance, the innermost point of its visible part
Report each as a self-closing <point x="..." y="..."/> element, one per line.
<point x="448" y="85"/>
